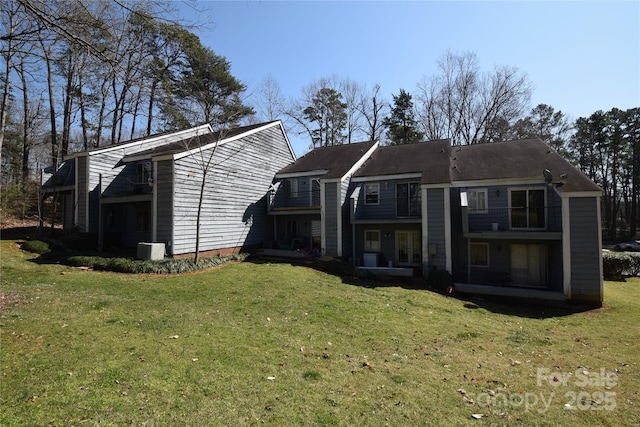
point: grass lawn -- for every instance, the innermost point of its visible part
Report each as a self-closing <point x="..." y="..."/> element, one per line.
<point x="277" y="344"/>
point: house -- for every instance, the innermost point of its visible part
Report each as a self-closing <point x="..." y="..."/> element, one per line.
<point x="508" y="218"/>
<point x="397" y="207"/>
<point x="148" y="190"/>
<point x="308" y="200"/>
<point x="527" y="221"/>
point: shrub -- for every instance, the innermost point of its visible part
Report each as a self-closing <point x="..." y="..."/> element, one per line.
<point x="441" y="280"/>
<point x="167" y="266"/>
<point x="36" y="247"/>
<point x="616" y="265"/>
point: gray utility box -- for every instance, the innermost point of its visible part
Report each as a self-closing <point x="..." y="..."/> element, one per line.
<point x="152" y="251"/>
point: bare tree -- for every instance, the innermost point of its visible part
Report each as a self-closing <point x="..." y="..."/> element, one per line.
<point x="373" y="109"/>
<point x="469" y="106"/>
<point x="268" y="100"/>
<point x="351" y="95"/>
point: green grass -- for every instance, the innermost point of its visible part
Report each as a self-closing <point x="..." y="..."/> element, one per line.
<point x="277" y="344"/>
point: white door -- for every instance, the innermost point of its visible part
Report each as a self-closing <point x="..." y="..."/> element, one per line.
<point x="408" y="247"/>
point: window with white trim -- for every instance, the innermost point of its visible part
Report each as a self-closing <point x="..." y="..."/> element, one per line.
<point x="479" y="254"/>
<point x="477" y="201"/>
<point x="408" y="199"/>
<point x="372" y="194"/>
<point x="528" y="208"/>
<point x="372" y="240"/>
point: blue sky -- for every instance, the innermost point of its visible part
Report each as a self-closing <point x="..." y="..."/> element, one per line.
<point x="580" y="56"/>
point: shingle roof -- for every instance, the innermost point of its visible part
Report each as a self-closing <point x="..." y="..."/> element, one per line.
<point x="335" y="159"/>
<point x="430" y="158"/>
<point x="526" y="158"/>
<point x="194" y="143"/>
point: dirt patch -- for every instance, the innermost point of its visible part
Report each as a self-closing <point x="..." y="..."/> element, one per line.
<point x="8" y="300"/>
<point x="598" y="310"/>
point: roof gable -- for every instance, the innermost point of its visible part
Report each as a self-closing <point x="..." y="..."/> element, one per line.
<point x="203" y="141"/>
<point x="331" y="162"/>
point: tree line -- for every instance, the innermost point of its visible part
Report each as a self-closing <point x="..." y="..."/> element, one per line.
<point x="77" y="75"/>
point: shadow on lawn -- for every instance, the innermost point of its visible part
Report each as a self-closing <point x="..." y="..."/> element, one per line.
<point x="502" y="305"/>
<point x="348" y="275"/>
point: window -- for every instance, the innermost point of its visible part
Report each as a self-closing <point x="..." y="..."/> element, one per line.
<point x="408" y="245"/>
<point x="477" y="201"/>
<point x="292" y="188"/>
<point x="372" y="240"/>
<point x="408" y="199"/>
<point x="479" y="255"/>
<point x="527" y="208"/>
<point x="143" y="172"/>
<point x="371" y="194"/>
<point x="142" y="220"/>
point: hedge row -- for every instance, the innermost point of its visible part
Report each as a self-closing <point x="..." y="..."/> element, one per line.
<point x="617" y="265"/>
<point x="166" y="266"/>
<point x="125" y="265"/>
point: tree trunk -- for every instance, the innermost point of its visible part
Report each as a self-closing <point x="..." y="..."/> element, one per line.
<point x="52" y="104"/>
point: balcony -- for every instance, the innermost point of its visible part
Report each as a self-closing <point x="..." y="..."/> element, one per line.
<point x="132" y="184"/>
<point x="280" y="201"/>
<point x="509" y="223"/>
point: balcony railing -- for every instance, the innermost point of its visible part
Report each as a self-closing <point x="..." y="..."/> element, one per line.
<point x="126" y="184"/>
<point x="280" y="200"/>
<point x="515" y="219"/>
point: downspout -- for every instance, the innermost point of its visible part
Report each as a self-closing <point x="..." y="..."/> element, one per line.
<point x="100" y="230"/>
<point x="154" y="202"/>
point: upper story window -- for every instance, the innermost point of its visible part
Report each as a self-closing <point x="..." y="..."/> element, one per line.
<point x="371" y="194"/>
<point x="408" y="199"/>
<point x="292" y="188"/>
<point x="143" y="172"/>
<point x="528" y="208"/>
<point x="477" y="201"/>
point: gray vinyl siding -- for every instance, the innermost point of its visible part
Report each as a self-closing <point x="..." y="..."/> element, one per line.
<point x="499" y="212"/>
<point x="164" y="204"/>
<point x="82" y="186"/>
<point x="103" y="171"/>
<point x="386" y="206"/>
<point x="234" y="204"/>
<point x="331" y="218"/>
<point x="346" y="190"/>
<point x="586" y="275"/>
<point x="436" y="226"/>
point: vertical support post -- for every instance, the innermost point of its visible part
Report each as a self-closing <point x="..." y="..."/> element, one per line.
<point x="100" y="230"/>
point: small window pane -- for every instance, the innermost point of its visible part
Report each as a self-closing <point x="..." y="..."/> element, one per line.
<point x="479" y="255"/>
<point x="372" y="240"/>
<point x="477" y="201"/>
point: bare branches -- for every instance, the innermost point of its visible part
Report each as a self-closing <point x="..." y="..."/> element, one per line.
<point x="465" y="105"/>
